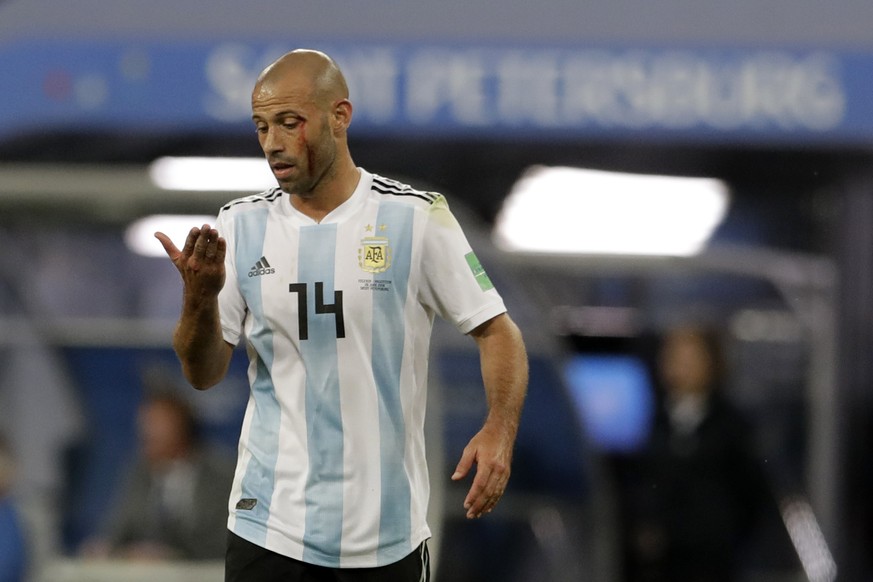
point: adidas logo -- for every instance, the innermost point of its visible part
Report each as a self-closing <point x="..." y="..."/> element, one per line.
<point x="262" y="267"/>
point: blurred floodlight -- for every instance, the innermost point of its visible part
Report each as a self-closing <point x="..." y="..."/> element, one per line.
<point x="573" y="210"/>
<point x="140" y="234"/>
<point x="212" y="174"/>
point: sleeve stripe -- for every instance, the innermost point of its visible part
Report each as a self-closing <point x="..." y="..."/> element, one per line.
<point x="390" y="187"/>
<point x="269" y="196"/>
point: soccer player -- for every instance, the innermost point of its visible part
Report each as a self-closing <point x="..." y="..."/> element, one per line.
<point x="334" y="279"/>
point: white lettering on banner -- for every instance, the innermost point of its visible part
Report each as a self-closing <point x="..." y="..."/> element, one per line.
<point x="598" y="87"/>
<point x="559" y="88"/>
<point x="527" y="88"/>
<point x="372" y="76"/>
<point x="677" y="96"/>
<point x="680" y="90"/>
<point x="231" y="71"/>
<point x="634" y="90"/>
<point x="442" y="83"/>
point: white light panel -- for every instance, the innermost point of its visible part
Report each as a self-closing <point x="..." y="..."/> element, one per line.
<point x="573" y="210"/>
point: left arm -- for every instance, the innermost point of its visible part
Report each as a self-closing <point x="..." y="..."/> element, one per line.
<point x="504" y="373"/>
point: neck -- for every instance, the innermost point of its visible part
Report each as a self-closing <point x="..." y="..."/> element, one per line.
<point x="329" y="194"/>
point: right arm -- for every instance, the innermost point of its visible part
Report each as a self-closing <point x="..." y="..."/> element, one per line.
<point x="198" y="341"/>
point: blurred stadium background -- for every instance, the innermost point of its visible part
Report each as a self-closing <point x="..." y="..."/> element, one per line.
<point x="770" y="98"/>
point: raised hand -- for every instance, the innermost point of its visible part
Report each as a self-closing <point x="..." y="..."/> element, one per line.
<point x="201" y="260"/>
<point x="198" y="341"/>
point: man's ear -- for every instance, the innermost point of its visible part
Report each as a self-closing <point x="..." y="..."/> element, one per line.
<point x="342" y="115"/>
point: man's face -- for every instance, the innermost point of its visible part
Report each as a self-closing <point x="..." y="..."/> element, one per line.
<point x="162" y="434"/>
<point x="294" y="131"/>
<point x="686" y="365"/>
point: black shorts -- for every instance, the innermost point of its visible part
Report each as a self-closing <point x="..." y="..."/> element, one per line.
<point x="248" y="562"/>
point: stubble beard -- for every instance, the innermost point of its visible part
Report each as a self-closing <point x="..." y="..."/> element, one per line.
<point x="321" y="168"/>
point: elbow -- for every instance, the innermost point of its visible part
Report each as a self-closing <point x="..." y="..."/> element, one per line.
<point x="202" y="379"/>
<point x="205" y="366"/>
<point x="201" y="383"/>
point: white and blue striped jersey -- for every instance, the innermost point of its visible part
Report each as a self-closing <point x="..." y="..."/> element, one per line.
<point x="337" y="319"/>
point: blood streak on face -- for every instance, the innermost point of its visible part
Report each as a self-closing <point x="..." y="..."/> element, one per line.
<point x="296" y="113"/>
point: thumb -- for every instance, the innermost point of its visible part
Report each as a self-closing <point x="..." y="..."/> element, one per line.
<point x="464" y="465"/>
<point x="171" y="249"/>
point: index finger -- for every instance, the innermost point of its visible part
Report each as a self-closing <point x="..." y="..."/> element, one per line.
<point x="190" y="241"/>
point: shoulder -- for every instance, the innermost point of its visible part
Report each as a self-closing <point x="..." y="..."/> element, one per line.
<point x="397" y="191"/>
<point x="268" y="199"/>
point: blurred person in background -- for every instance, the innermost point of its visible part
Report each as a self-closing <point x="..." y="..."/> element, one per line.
<point x="695" y="494"/>
<point x="13" y="543"/>
<point x="173" y="504"/>
<point x="35" y="385"/>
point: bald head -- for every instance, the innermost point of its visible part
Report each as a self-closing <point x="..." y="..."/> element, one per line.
<point x="301" y="112"/>
<point x="307" y="68"/>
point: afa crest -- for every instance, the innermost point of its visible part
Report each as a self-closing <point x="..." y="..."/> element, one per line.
<point x="374" y="255"/>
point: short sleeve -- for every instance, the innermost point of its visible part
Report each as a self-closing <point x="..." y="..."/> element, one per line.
<point x="455" y="285"/>
<point x="231" y="304"/>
